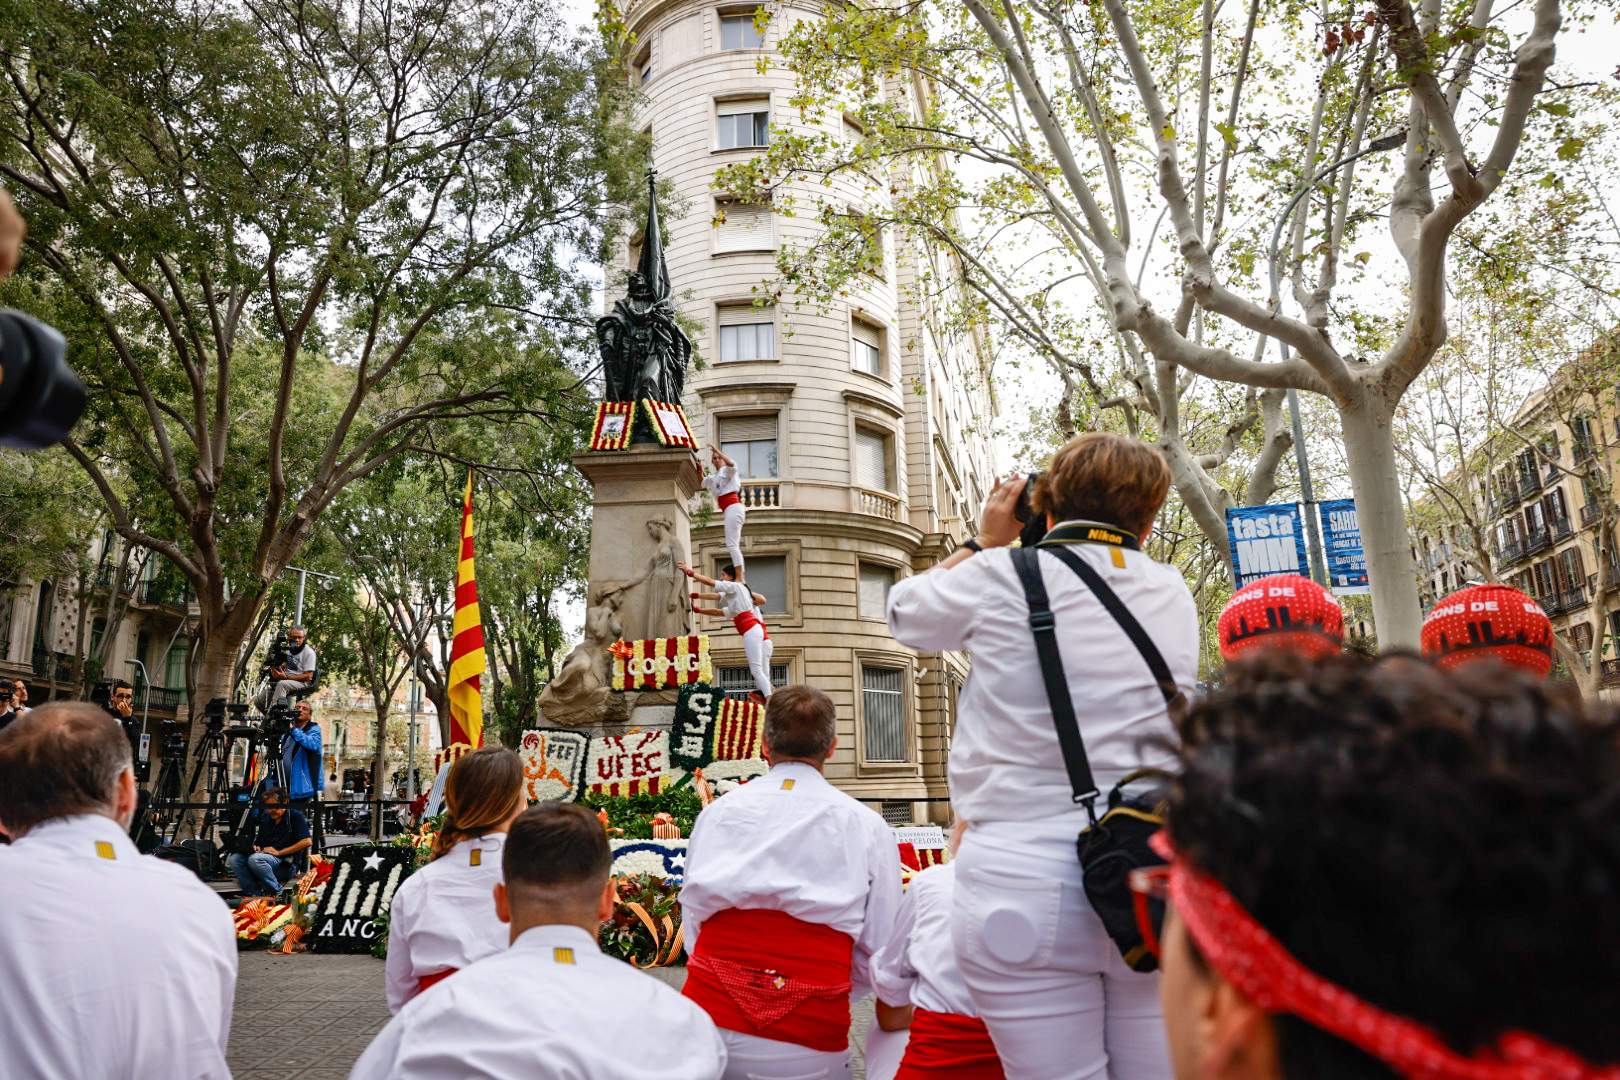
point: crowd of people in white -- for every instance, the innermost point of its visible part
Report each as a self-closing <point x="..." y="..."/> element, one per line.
<point x="1368" y="867"/>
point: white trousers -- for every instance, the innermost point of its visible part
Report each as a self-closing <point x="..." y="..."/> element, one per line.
<point x="748" y="1057"/>
<point x="735" y="513"/>
<point x="884" y="1052"/>
<point x="1043" y="973"/>
<point x="758" y="648"/>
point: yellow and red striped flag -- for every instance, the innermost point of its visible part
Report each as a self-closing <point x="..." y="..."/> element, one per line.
<point x="467" y="660"/>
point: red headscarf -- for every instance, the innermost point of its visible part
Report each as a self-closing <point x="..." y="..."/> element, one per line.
<point x="1494" y="622"/>
<point x="1286" y="612"/>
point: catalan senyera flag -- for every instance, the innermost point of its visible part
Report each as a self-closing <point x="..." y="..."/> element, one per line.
<point x="467" y="660"/>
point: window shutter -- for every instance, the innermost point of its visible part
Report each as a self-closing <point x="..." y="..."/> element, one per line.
<point x="874" y="591"/>
<point x="743" y="314"/>
<point x="871" y="460"/>
<point x="747" y="227"/>
<point x="747" y="428"/>
<point x="883" y="701"/>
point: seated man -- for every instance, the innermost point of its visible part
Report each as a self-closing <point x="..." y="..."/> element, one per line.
<point x="280" y="838"/>
<point x="791" y="886"/>
<point x="292" y="676"/>
<point x="115" y="964"/>
<point x="552" y="1004"/>
<point x="1383" y="869"/>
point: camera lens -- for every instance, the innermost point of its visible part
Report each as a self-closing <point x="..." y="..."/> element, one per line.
<point x="40" y="397"/>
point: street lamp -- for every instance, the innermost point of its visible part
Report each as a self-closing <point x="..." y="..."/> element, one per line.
<point x="298" y="606"/>
<point x="1307" y="492"/>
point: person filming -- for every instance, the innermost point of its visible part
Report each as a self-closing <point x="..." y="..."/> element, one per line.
<point x="294" y="673"/>
<point x="301" y="756"/>
<point x="13" y="701"/>
<point x="1041" y="968"/>
<point x="280" y="839"/>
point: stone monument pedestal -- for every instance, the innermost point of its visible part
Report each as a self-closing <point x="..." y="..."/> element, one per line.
<point x="640" y="528"/>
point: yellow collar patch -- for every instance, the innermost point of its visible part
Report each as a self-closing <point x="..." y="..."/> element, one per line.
<point x="562" y="955"/>
<point x="105" y="850"/>
<point x="787" y="785"/>
<point x="475" y="857"/>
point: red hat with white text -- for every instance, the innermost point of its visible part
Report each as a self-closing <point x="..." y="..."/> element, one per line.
<point x="1489" y="622"/>
<point x="1284" y="611"/>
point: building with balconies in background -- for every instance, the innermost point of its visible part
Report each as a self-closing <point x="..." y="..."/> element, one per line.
<point x="860" y="429"/>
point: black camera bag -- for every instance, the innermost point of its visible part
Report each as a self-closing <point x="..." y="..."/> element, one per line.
<point x="1111" y="846"/>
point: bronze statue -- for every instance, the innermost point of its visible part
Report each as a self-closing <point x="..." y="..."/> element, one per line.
<point x="644" y="350"/>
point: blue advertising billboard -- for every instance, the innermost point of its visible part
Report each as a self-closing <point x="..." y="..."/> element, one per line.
<point x="1266" y="540"/>
<point x="1341" y="545"/>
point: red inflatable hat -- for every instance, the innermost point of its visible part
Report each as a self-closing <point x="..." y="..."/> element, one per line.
<point x="1489" y="622"/>
<point x="1286" y="612"/>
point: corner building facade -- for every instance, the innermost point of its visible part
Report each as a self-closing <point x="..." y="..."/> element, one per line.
<point x="860" y="430"/>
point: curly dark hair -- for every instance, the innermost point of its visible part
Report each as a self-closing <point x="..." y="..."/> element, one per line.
<point x="1445" y="845"/>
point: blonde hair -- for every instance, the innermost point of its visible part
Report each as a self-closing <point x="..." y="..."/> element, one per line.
<point x="484" y="790"/>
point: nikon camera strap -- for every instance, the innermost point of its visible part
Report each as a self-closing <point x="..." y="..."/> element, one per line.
<point x="1044" y="626"/>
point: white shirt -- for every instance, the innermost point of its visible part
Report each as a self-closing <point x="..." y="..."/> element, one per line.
<point x="550" y="1006"/>
<point x="918" y="965"/>
<point x="789" y="841"/>
<point x="1005" y="762"/>
<point x="723" y="481"/>
<point x="735" y="598"/>
<point x="120" y="967"/>
<point x="443" y="916"/>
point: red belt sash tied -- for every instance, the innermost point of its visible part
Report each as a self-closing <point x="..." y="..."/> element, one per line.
<point x="727" y="500"/>
<point x="434" y="977"/>
<point x="767" y="974"/>
<point x="747" y="621"/>
<point x="949" y="1046"/>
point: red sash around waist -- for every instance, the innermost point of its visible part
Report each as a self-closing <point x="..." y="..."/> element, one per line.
<point x="747" y="621"/>
<point x="729" y="499"/>
<point x="434" y="977"/>
<point x="949" y="1046"/>
<point x="767" y="974"/>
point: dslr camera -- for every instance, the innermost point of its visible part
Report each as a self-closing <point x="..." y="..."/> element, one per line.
<point x="278" y="721"/>
<point x="1034" y="525"/>
<point x="40" y="397"/>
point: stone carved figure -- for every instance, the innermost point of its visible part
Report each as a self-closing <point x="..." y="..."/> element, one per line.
<point x="644" y="350"/>
<point x="662" y="608"/>
<point x="579" y="691"/>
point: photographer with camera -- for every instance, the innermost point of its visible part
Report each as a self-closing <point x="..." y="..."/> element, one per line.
<point x="121" y="703"/>
<point x="291" y="668"/>
<point x="280" y="840"/>
<point x="13" y="701"/>
<point x="301" y="755"/>
<point x="1117" y="640"/>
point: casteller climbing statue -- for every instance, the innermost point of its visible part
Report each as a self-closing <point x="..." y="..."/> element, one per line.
<point x="644" y="350"/>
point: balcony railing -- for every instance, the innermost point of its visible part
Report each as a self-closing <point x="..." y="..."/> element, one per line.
<point x="761" y="494"/>
<point x="1512" y="552"/>
<point x="104" y="579"/>
<point x="1611" y="672"/>
<point x="1560" y="528"/>
<point x="1589" y="515"/>
<point x="1539" y="539"/>
<point x="877" y="503"/>
<point x="1573" y="599"/>
<point x="54" y="666"/>
<point x="1529" y="482"/>
<point x="158" y="697"/>
<point x="169" y="593"/>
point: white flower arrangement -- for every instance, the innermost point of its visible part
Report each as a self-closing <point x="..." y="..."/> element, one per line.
<point x="661" y="858"/>
<point x="393" y="883"/>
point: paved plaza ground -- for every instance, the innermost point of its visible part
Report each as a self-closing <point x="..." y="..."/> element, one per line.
<point x="310" y="1016"/>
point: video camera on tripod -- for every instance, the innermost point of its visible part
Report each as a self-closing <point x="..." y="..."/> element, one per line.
<point x="277" y="655"/>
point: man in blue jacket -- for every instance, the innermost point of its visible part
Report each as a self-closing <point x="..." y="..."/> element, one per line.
<point x="301" y="757"/>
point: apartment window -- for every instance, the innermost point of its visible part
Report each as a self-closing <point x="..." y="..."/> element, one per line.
<point x="743" y="124"/>
<point x="738" y="682"/>
<point x="1571" y="569"/>
<point x="1546" y="580"/>
<point x="1557" y="509"/>
<point x="642" y="67"/>
<point x="875" y="583"/>
<point x="871" y="466"/>
<point x="742" y="226"/>
<point x="853" y="134"/>
<point x="740" y="32"/>
<point x="767" y="575"/>
<point x="1535" y="519"/>
<point x="1580" y="635"/>
<point x="174" y="665"/>
<point x="746" y="333"/>
<point x="866" y="343"/>
<point x="883" y="709"/>
<point x="750" y="441"/>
